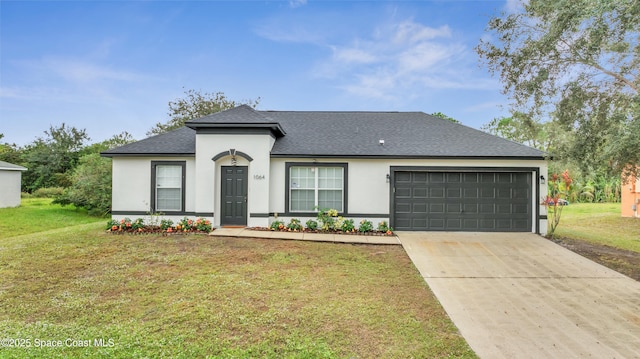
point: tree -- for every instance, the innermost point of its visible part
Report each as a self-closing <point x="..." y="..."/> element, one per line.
<point x="50" y="159"/>
<point x="10" y="152"/>
<point x="519" y="127"/>
<point x="91" y="180"/>
<point x="195" y="105"/>
<point x="443" y="116"/>
<point x="91" y="185"/>
<point x="575" y="63"/>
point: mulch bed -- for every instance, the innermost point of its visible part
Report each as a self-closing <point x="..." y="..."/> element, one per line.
<point x="355" y="233"/>
<point x="154" y="230"/>
<point x="620" y="260"/>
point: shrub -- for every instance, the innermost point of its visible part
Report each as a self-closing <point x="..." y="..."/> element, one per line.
<point x="348" y="226"/>
<point x="203" y="225"/>
<point x="383" y="226"/>
<point x="184" y="225"/>
<point x="294" y="225"/>
<point x="138" y="224"/>
<point x="312" y="225"/>
<point x="326" y="219"/>
<point x="48" y="192"/>
<point x="166" y="224"/>
<point x="276" y="225"/>
<point x="365" y="226"/>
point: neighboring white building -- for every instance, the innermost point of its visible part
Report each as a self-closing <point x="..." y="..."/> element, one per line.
<point x="244" y="167"/>
<point x="10" y="184"/>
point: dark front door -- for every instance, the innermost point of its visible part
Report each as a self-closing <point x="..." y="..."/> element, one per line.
<point x="234" y="196"/>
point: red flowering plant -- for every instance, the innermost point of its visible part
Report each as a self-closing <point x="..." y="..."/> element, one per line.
<point x="559" y="188"/>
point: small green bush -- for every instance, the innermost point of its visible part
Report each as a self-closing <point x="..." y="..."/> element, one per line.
<point x="276" y="225"/>
<point x="312" y="225"/>
<point x="383" y="226"/>
<point x="294" y="225"/>
<point x="365" y="226"/>
<point x="166" y="224"/>
<point x="348" y="226"/>
<point x="48" y="192"/>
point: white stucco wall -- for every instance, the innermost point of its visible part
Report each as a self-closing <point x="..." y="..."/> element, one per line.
<point x="10" y="181"/>
<point x="369" y="192"/>
<point x="368" y="189"/>
<point x="132" y="183"/>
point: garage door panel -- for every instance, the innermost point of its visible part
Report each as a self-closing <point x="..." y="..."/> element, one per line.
<point x="403" y="208"/>
<point x="453" y="177"/>
<point x="436" y="193"/>
<point x="420" y="192"/>
<point x="454" y="192"/>
<point x="436" y="208"/>
<point x="402" y="177"/>
<point x="454" y="208"/>
<point x="418" y="208"/>
<point x="436" y="224"/>
<point x="470" y="178"/>
<point x="403" y="192"/>
<point x="470" y="192"/>
<point x="459" y="201"/>
<point x="436" y="177"/>
<point x="470" y="208"/>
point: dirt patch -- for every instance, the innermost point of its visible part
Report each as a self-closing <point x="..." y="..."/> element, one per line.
<point x="620" y="260"/>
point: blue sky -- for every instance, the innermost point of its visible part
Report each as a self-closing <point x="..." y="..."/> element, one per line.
<point x="113" y="66"/>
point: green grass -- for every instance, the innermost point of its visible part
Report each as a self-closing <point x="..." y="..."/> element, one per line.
<point x="600" y="223"/>
<point x="38" y="215"/>
<point x="199" y="296"/>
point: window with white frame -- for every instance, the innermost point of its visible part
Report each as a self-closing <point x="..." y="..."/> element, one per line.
<point x="168" y="191"/>
<point x="313" y="187"/>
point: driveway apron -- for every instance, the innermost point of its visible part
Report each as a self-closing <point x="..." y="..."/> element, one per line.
<point x="518" y="295"/>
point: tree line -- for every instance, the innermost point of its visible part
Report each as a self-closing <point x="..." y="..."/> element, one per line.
<point x="64" y="164"/>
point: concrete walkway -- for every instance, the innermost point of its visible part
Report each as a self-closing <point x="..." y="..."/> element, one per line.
<point x="522" y="296"/>
<point x="302" y="236"/>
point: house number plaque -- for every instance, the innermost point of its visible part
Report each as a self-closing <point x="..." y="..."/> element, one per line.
<point x="258" y="177"/>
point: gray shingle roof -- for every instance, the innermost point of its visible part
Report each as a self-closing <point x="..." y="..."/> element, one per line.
<point x="347" y="134"/>
<point x="177" y="142"/>
<point x="11" y="167"/>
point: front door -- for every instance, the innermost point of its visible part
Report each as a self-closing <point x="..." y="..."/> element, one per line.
<point x="234" y="196"/>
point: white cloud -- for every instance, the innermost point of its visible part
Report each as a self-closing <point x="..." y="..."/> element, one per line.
<point x="353" y="56"/>
<point x="409" y="32"/>
<point x="514" y="6"/>
<point x="396" y="59"/>
<point x="399" y="60"/>
<point x="297" y="3"/>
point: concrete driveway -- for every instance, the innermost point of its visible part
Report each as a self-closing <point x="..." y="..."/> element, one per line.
<point x="522" y="296"/>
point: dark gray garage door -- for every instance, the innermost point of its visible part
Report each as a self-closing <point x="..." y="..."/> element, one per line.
<point x="462" y="201"/>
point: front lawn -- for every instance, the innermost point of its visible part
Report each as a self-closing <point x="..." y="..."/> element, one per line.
<point x="196" y="296"/>
<point x="600" y="223"/>
<point x="38" y="215"/>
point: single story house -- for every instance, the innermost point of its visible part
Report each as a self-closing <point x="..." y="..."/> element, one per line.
<point x="630" y="197"/>
<point x="10" y="184"/>
<point x="244" y="167"/>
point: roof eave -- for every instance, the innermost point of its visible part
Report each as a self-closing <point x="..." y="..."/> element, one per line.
<point x="138" y="154"/>
<point x="274" y="127"/>
<point x="529" y="158"/>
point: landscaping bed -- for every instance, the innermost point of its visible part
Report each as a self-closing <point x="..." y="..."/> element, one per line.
<point x="165" y="226"/>
<point x="328" y="221"/>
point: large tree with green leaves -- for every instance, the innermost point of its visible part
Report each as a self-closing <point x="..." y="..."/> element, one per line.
<point x="51" y="158"/>
<point x="91" y="179"/>
<point x="575" y="62"/>
<point x="194" y="105"/>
